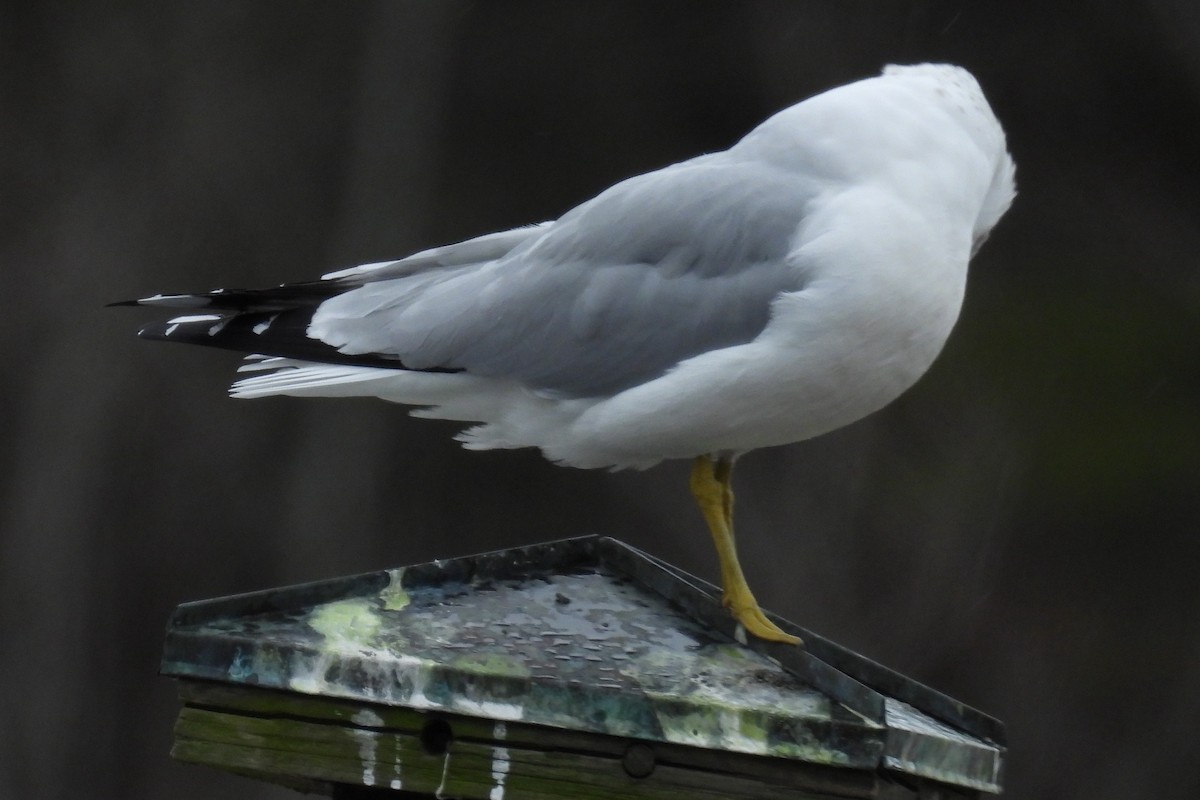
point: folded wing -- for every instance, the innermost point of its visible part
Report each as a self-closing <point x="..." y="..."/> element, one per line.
<point x="587" y="305"/>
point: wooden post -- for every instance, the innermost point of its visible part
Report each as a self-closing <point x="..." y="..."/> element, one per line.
<point x="574" y="669"/>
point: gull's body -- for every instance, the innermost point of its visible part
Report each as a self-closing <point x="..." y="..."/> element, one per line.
<point x="757" y="296"/>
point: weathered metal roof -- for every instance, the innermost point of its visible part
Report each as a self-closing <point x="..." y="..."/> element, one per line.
<point x="587" y="635"/>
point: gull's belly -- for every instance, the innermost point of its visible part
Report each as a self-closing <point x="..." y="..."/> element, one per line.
<point x="802" y="378"/>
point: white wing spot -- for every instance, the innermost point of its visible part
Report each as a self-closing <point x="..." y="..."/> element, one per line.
<point x="261" y="327"/>
<point x="194" y="318"/>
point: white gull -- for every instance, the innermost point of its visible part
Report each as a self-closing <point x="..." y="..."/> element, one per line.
<point x="757" y="296"/>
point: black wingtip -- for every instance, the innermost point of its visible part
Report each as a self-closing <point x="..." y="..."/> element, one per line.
<point x="155" y="331"/>
<point x="168" y="301"/>
<point x="281" y="334"/>
<point x="197" y="329"/>
<point x="279" y="298"/>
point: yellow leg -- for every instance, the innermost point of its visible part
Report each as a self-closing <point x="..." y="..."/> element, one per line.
<point x="711" y="486"/>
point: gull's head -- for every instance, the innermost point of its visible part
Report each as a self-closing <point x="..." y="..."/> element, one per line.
<point x="959" y="94"/>
<point x="922" y="133"/>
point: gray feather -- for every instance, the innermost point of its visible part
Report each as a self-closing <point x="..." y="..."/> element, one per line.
<point x="590" y="305"/>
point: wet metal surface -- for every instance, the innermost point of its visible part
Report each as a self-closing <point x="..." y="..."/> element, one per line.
<point x="585" y="634"/>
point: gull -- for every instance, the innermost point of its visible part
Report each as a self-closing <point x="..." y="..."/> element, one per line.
<point x="757" y="296"/>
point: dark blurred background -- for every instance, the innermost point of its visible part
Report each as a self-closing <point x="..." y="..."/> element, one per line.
<point x="1020" y="530"/>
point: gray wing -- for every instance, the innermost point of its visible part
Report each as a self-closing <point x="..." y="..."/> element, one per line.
<point x="472" y="251"/>
<point x="655" y="270"/>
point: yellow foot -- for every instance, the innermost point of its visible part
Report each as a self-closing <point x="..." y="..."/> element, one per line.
<point x="710" y="486"/>
<point x="755" y="621"/>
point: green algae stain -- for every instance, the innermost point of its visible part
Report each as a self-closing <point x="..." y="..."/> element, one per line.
<point x="345" y="621"/>
<point x="393" y="595"/>
<point x="495" y="664"/>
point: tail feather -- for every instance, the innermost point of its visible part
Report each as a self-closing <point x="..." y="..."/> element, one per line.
<point x="309" y="380"/>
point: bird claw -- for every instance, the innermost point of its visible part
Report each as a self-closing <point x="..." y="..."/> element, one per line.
<point x="756" y="623"/>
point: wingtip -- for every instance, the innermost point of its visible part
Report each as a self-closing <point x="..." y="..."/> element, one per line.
<point x="167" y="301"/>
<point x="155" y="331"/>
